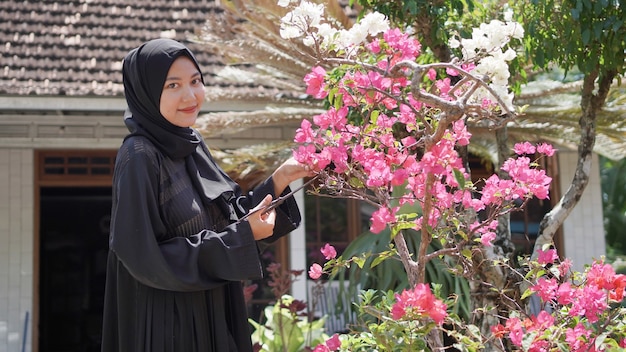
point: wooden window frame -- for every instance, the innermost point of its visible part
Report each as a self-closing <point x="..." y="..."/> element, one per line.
<point x="69" y="163"/>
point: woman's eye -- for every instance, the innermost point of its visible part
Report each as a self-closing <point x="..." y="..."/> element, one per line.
<point x="172" y="85"/>
<point x="196" y="81"/>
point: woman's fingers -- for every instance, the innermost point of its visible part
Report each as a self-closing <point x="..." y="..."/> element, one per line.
<point x="261" y="222"/>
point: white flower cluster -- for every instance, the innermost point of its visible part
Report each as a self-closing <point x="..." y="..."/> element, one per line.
<point x="307" y="21"/>
<point x="486" y="48"/>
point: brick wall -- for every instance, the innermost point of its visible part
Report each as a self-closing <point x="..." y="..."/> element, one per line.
<point x="16" y="247"/>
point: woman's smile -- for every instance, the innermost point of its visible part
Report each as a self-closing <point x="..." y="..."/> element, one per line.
<point x="183" y="93"/>
<point x="189" y="110"/>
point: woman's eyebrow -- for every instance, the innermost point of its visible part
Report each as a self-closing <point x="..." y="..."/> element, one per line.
<point x="176" y="78"/>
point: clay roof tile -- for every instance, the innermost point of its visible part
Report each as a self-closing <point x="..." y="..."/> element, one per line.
<point x="76" y="48"/>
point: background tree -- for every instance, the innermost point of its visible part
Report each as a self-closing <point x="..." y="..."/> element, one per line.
<point x="614" y="204"/>
<point x="589" y="36"/>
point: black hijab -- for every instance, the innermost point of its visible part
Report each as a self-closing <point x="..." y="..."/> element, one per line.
<point x="144" y="72"/>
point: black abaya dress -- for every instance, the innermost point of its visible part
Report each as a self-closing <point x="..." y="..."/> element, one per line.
<point x="175" y="265"/>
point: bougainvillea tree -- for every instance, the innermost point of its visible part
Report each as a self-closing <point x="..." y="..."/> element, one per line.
<point x="389" y="137"/>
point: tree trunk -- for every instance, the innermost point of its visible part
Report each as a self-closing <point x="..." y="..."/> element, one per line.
<point x="490" y="276"/>
<point x="591" y="105"/>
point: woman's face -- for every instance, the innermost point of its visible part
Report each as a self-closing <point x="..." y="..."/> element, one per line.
<point x="183" y="93"/>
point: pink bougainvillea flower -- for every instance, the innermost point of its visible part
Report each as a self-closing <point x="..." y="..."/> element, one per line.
<point x="315" y="271"/>
<point x="431" y="74"/>
<point x="328" y="251"/>
<point x="546" y="149"/>
<point x="564" y="267"/>
<point x="576" y="337"/>
<point x="487" y="238"/>
<point x="516" y="330"/>
<point x="601" y="275"/>
<point x="374" y="46"/>
<point x="408" y="48"/>
<point x="565" y="294"/>
<point x="444" y="86"/>
<point x="547" y="257"/>
<point x="438" y="312"/>
<point x="315" y="82"/>
<point x="524" y="148"/>
<point x="590" y="302"/>
<point x="546" y="288"/>
<point x="332" y="118"/>
<point x="452" y="72"/>
<point x="305" y="154"/>
<point x="542" y="321"/>
<point x="381" y="218"/>
<point x="333" y="342"/>
<point x="461" y="135"/>
<point x="305" y="133"/>
<point x="321" y="348"/>
<point x="421" y="301"/>
<point x="486" y="230"/>
<point x="619" y="282"/>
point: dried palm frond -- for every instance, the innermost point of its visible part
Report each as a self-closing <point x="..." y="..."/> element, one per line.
<point x="251" y="165"/>
<point x="236" y="121"/>
<point x="246" y="36"/>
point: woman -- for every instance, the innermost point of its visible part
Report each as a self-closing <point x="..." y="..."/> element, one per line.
<point x="177" y="250"/>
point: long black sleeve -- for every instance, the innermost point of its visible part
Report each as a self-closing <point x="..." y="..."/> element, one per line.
<point x="140" y="237"/>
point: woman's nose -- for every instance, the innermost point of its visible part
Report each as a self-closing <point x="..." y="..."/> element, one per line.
<point x="189" y="93"/>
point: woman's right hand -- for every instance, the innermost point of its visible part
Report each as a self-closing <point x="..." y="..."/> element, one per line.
<point x="262" y="223"/>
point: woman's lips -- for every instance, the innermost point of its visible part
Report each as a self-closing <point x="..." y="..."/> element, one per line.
<point x="189" y="110"/>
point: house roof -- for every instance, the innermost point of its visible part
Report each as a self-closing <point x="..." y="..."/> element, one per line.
<point x="75" y="48"/>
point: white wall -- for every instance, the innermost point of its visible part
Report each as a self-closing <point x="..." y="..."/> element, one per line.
<point x="16" y="247"/>
<point x="583" y="230"/>
<point x="297" y="249"/>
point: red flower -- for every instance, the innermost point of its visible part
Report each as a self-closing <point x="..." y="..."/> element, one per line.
<point x="499" y="331"/>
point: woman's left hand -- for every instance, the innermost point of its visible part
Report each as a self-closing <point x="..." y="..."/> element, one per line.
<point x="288" y="172"/>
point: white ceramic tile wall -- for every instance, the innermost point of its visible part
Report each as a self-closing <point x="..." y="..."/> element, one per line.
<point x="583" y="230"/>
<point x="16" y="248"/>
<point x="297" y="249"/>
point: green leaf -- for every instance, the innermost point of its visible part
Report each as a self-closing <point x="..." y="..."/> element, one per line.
<point x="459" y="177"/>
<point x="360" y="261"/>
<point x="586" y="36"/>
<point x="356" y="182"/>
<point x="381" y="257"/>
<point x="527" y="294"/>
<point x="338" y="101"/>
<point x="374" y="116"/>
<point x="600" y="340"/>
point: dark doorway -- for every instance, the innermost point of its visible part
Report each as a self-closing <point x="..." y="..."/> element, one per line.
<point x="74" y="227"/>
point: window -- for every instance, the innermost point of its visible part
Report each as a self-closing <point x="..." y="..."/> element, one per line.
<point x="334" y="221"/>
<point x="76" y="166"/>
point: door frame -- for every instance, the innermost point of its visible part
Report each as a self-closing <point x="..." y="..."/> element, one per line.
<point x="63" y="168"/>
